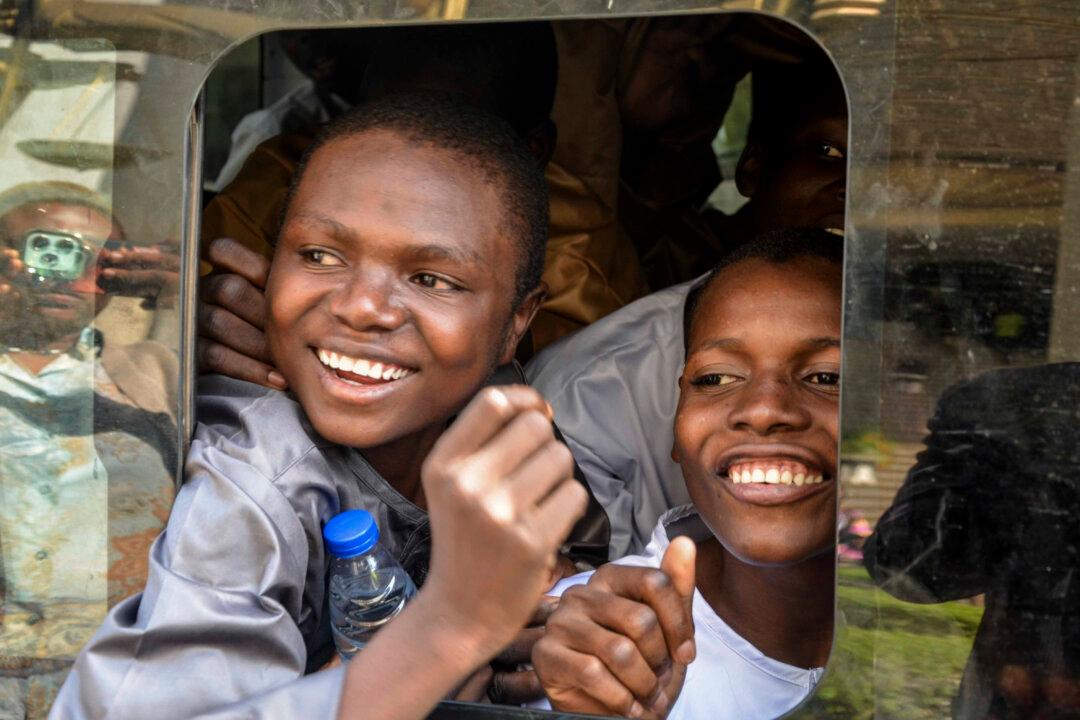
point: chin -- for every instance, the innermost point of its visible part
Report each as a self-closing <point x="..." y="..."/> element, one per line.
<point x="774" y="552"/>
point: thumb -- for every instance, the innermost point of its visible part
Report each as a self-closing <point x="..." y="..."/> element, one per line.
<point x="679" y="565"/>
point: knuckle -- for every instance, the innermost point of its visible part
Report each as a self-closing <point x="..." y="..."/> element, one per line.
<point x="655" y="581"/>
<point x="641" y="623"/>
<point x="561" y="456"/>
<point x="620" y="651"/>
<point x="213" y="321"/>
<point x="231" y="289"/>
<point x="592" y="671"/>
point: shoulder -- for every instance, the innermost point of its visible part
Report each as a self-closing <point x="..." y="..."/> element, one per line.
<point x="647" y="329"/>
<point x="146" y="372"/>
<point x="265" y="428"/>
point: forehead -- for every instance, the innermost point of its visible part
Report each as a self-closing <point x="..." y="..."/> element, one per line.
<point x="800" y="298"/>
<point x="379" y="177"/>
<point x="56" y="216"/>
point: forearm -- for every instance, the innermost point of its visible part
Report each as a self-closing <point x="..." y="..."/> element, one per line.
<point x="412" y="664"/>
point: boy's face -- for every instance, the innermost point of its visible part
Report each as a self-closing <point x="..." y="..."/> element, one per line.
<point x="760" y="401"/>
<point x="62" y="307"/>
<point x="391" y="288"/>
<point x="800" y="181"/>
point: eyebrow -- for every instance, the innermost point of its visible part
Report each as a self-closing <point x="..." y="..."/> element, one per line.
<point x="427" y="251"/>
<point x="818" y="343"/>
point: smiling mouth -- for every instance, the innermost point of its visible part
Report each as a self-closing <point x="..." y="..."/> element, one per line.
<point x="773" y="472"/>
<point x="362" y="371"/>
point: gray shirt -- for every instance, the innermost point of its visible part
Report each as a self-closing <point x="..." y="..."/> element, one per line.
<point x="234" y="611"/>
<point x="614" y="389"/>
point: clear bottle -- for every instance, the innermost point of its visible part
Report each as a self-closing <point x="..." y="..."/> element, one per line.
<point x="367" y="586"/>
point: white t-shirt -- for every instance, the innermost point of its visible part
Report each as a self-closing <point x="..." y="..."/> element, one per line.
<point x="730" y="679"/>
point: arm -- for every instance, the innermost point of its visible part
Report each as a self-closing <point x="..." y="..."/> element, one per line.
<point x="620" y="645"/>
<point x="219" y="621"/>
<point x="501" y="499"/>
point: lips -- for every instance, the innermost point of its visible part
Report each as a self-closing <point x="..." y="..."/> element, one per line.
<point x="772" y="476"/>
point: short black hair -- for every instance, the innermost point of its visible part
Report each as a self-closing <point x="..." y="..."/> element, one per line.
<point x="509" y="69"/>
<point x="784" y="97"/>
<point x="777" y="247"/>
<point x="483" y="140"/>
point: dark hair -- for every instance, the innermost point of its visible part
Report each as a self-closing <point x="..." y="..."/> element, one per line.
<point x="480" y="138"/>
<point x="784" y="97"/>
<point x="777" y="247"/>
<point x="509" y="69"/>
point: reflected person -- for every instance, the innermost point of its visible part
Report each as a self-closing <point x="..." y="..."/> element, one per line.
<point x="87" y="439"/>
<point x="992" y="507"/>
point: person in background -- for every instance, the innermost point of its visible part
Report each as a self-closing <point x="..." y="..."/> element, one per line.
<point x="87" y="436"/>
<point x="612" y="384"/>
<point x="728" y="613"/>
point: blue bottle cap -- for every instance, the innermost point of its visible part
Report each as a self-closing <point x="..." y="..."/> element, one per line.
<point x="351" y="533"/>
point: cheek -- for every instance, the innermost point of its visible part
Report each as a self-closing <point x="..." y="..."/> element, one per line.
<point x="461" y="339"/>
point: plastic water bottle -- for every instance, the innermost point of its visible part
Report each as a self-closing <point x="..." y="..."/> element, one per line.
<point x="368" y="587"/>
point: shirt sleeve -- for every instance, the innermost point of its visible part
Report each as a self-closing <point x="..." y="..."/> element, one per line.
<point x="217" y="629"/>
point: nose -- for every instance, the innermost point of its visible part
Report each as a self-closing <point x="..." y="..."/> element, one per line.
<point x="367" y="301"/>
<point x="768" y="405"/>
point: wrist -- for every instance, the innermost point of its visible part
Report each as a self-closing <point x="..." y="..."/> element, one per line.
<point x="457" y="636"/>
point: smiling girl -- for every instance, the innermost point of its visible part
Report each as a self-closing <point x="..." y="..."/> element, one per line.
<point x="737" y="621"/>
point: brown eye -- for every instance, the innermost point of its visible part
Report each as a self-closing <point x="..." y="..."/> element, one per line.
<point x="823" y="378"/>
<point x="830" y="151"/>
<point x="714" y="379"/>
<point x="434" y="282"/>
<point x="321" y="258"/>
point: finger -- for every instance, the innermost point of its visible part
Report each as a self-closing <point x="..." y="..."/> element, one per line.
<point x="545" y="467"/>
<point x="484" y="416"/>
<point x="544" y="608"/>
<point x="629" y="618"/>
<point x="520" y="648"/>
<point x="237" y="295"/>
<point x="214" y="357"/>
<point x="678" y="563"/>
<point x="556" y="514"/>
<point x="222" y="326"/>
<point x="515" y="688"/>
<point x="512" y="447"/>
<point x="138" y="282"/>
<point x="472" y="690"/>
<point x="229" y="256"/>
<point x="576" y="682"/>
<point x="620" y="654"/>
<point x="656" y="589"/>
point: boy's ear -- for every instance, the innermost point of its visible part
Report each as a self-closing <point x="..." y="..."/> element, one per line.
<point x="748" y="171"/>
<point x="541" y="142"/>
<point x="522" y="318"/>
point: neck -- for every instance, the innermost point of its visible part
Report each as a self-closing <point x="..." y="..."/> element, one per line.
<point x="399" y="462"/>
<point x="786" y="612"/>
<point x="35" y="359"/>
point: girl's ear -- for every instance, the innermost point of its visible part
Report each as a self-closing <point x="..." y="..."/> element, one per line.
<point x="522" y="318"/>
<point x="748" y="171"/>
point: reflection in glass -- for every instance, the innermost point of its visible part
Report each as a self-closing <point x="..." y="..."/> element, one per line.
<point x="87" y="431"/>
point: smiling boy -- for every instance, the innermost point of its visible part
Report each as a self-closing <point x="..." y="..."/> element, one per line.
<point x="744" y="629"/>
<point x="407" y="269"/>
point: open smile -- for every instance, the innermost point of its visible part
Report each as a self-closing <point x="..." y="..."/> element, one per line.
<point x="357" y="380"/>
<point x="778" y="480"/>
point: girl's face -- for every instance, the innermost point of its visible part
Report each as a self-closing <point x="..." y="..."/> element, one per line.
<point x="756" y="427"/>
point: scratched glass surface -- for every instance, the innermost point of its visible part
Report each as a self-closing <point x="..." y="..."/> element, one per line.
<point x="962" y="298"/>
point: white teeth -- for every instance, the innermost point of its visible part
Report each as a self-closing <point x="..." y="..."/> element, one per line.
<point x="785" y="477"/>
<point x="374" y="370"/>
<point x="758" y="475"/>
<point x="772" y="476"/>
<point x="799" y="479"/>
